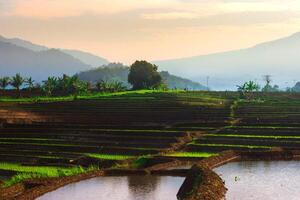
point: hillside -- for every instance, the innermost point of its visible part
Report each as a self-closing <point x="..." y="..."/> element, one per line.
<point x="279" y="58"/>
<point x="84" y="57"/>
<point x="39" y="65"/>
<point x="119" y="72"/>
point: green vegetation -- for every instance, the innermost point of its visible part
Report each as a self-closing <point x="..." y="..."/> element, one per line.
<point x="140" y="162"/>
<point x="117" y="72"/>
<point x="109" y="156"/>
<point x="168" y="117"/>
<point x="246" y="90"/>
<point x="232" y="145"/>
<point x="29" y="172"/>
<point x="268" y="87"/>
<point x="191" y="154"/>
<point x="254" y="136"/>
<point x="144" y="75"/>
<point x="124" y="94"/>
<point x="4" y="82"/>
<point x="17" y="81"/>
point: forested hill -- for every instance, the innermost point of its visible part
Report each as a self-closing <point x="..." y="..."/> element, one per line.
<point x="119" y="72"/>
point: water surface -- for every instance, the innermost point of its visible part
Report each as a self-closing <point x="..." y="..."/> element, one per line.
<point x="120" y="188"/>
<point x="275" y="180"/>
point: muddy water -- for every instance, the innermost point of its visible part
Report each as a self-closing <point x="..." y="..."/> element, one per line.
<point x="120" y="188"/>
<point x="275" y="180"/>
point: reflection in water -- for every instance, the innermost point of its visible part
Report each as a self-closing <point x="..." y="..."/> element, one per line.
<point x="140" y="187"/>
<point x="273" y="180"/>
<point x="120" y="188"/>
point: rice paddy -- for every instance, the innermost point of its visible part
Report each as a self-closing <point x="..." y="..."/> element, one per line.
<point x="53" y="136"/>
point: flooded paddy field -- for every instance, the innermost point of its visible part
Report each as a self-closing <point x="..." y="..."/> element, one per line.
<point x="120" y="188"/>
<point x="138" y="131"/>
<point x="261" y="180"/>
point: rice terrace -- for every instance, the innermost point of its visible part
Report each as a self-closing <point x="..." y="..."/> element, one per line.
<point x="149" y="100"/>
<point x="49" y="142"/>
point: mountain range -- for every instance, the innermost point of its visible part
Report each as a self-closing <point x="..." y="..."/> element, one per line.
<point x="17" y="55"/>
<point x="39" y="62"/>
<point x="279" y="58"/>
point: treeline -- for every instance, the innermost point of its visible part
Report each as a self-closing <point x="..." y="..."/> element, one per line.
<point x="58" y="86"/>
<point x="142" y="75"/>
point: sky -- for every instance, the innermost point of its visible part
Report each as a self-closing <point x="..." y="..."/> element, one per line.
<point x="129" y="30"/>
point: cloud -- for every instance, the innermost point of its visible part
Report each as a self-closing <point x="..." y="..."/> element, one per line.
<point x="170" y="15"/>
<point x="148" y="29"/>
<point x="65" y="8"/>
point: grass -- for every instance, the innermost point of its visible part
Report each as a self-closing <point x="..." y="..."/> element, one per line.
<point x="260" y="127"/>
<point x="184" y="97"/>
<point x="192" y="154"/>
<point x="254" y="136"/>
<point x="29" y="172"/>
<point x="232" y="145"/>
<point x="109" y="156"/>
<point x="85" y="97"/>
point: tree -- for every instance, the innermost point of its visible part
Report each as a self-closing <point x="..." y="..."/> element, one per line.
<point x="17" y="81"/>
<point x="144" y="75"/>
<point x="76" y="86"/>
<point x="49" y="85"/>
<point x="247" y="89"/>
<point x="267" y="87"/>
<point x="4" y="82"/>
<point x="115" y="86"/>
<point x="267" y="79"/>
<point x="30" y="83"/>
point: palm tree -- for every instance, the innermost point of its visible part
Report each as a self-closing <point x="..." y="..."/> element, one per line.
<point x="117" y="86"/>
<point x="49" y="85"/>
<point x="4" y="82"/>
<point x="101" y="86"/>
<point x="17" y="81"/>
<point x="77" y="86"/>
<point x="247" y="89"/>
<point x="251" y="86"/>
<point x="30" y="83"/>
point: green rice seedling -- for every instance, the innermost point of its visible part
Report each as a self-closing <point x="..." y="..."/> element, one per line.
<point x="192" y="154"/>
<point x="255" y="136"/>
<point x="140" y="162"/>
<point x="233" y="145"/>
<point x="28" y="172"/>
<point x="109" y="156"/>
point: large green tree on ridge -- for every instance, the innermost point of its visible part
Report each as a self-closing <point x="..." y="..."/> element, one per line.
<point x="144" y="75"/>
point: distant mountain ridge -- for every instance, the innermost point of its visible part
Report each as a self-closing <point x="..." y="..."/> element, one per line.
<point x="279" y="58"/>
<point x="86" y="58"/>
<point x="39" y="65"/>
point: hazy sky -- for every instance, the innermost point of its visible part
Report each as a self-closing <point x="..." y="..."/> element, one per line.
<point x="126" y="30"/>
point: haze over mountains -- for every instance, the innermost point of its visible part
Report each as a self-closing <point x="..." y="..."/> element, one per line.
<point x="38" y="61"/>
<point x="279" y="58"/>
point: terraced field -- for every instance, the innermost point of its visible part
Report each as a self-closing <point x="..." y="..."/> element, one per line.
<point x="106" y="129"/>
<point x="272" y="121"/>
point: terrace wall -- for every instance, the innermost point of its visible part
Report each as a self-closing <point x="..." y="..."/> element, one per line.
<point x="201" y="182"/>
<point x="210" y="186"/>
